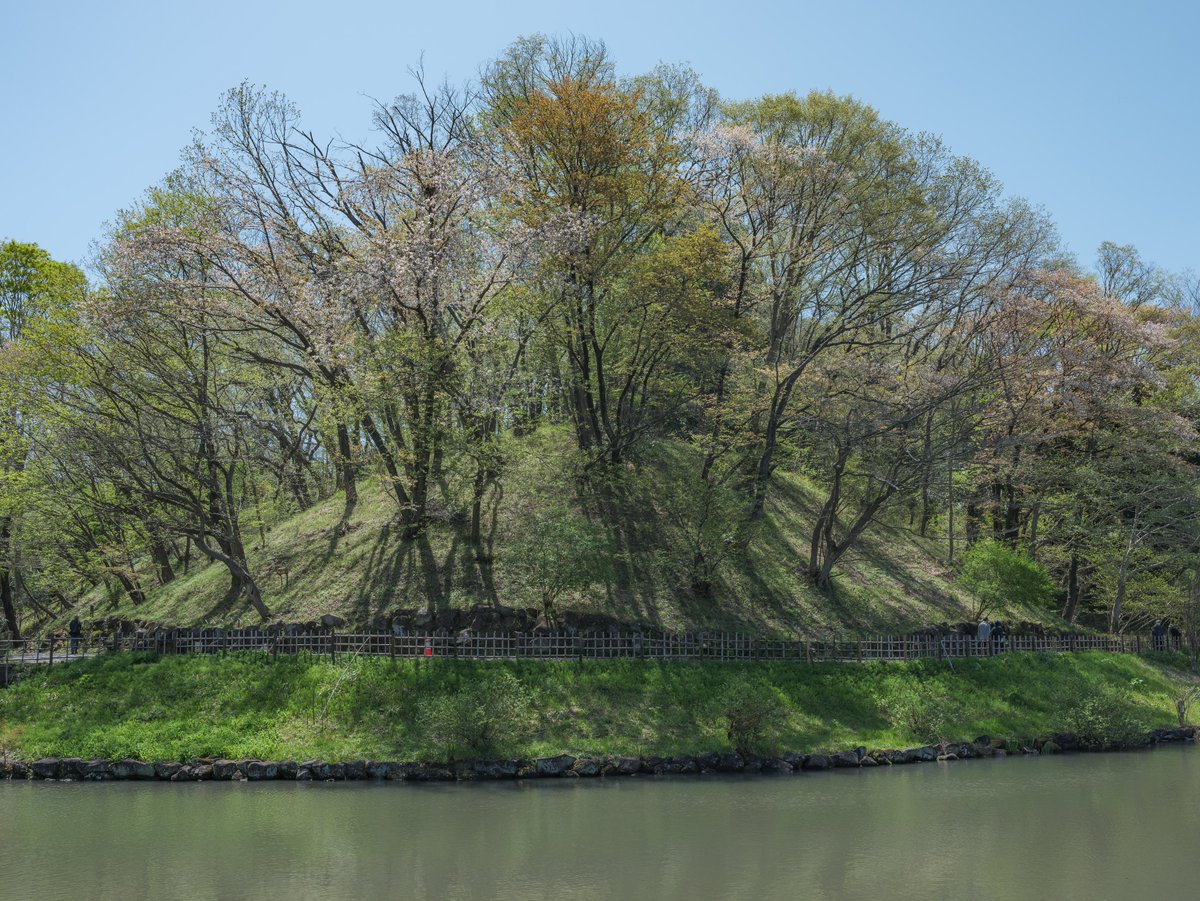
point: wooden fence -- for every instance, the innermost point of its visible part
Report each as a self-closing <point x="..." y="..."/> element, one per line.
<point x="558" y="646"/>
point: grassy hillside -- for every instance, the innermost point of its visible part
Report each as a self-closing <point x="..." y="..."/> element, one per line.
<point x="636" y="532"/>
<point x="250" y="705"/>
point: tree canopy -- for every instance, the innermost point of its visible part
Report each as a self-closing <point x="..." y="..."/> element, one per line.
<point x="785" y="283"/>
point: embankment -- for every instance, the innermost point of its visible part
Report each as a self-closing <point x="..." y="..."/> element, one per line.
<point x="253" y="707"/>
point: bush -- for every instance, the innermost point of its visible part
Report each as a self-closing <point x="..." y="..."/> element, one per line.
<point x="1183" y="702"/>
<point x="488" y="718"/>
<point x="1102" y="717"/>
<point x="999" y="575"/>
<point x="558" y="551"/>
<point x="707" y="526"/>
<point x="926" y="713"/>
<point x="754" y="716"/>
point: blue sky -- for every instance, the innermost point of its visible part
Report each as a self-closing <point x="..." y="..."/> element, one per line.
<point x="1091" y="110"/>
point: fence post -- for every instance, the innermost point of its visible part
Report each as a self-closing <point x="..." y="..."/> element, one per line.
<point x="51" y="651"/>
<point x="392" y="646"/>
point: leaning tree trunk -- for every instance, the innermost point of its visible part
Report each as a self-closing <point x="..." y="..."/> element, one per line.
<point x="241" y="581"/>
<point x="136" y="595"/>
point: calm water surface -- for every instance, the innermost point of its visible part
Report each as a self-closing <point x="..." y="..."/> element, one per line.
<point x="1096" y="827"/>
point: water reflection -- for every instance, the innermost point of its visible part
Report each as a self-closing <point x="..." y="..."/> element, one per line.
<point x="1111" y="826"/>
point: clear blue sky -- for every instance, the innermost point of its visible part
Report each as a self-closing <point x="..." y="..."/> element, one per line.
<point x="1091" y="110"/>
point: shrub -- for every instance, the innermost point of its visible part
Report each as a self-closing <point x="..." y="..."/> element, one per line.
<point x="999" y="575"/>
<point x="926" y="713"/>
<point x="556" y="552"/>
<point x="1183" y="702"/>
<point x="1101" y="717"/>
<point x="488" y="718"/>
<point x="707" y="526"/>
<point x="754" y="716"/>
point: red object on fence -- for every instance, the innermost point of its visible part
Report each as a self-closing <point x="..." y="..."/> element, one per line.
<point x="428" y="648"/>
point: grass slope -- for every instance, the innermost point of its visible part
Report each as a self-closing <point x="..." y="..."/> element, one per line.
<point x="894" y="581"/>
<point x="250" y="705"/>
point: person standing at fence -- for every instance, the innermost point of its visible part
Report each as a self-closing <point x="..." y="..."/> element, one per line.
<point x="76" y="631"/>
<point x="998" y="636"/>
<point x="983" y="635"/>
<point x="1159" y="634"/>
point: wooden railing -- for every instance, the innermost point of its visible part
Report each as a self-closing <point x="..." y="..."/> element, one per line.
<point x="563" y="645"/>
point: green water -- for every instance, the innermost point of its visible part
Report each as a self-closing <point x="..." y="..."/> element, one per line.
<point x="1096" y="827"/>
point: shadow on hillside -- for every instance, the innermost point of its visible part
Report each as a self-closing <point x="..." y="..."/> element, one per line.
<point x="650" y="573"/>
<point x="395" y="568"/>
<point x="366" y="568"/>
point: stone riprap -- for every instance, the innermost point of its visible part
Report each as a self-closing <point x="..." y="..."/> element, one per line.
<point x="75" y="769"/>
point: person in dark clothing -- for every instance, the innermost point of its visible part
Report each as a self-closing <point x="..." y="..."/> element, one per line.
<point x="998" y="636"/>
<point x="1159" y="634"/>
<point x="1176" y="636"/>
<point x="76" y="630"/>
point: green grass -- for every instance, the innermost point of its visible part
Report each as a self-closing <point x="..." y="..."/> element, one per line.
<point x="250" y="705"/>
<point x="895" y="581"/>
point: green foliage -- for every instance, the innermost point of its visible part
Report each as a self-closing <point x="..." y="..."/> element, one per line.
<point x="928" y="713"/>
<point x="1183" y="701"/>
<point x="1000" y="576"/>
<point x="708" y="525"/>
<point x="557" y="551"/>
<point x="744" y="339"/>
<point x="246" y="704"/>
<point x="490" y="717"/>
<point x="1103" y="716"/>
<point x="754" y="715"/>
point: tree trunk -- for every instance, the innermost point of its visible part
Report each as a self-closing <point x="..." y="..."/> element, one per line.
<point x="162" y="561"/>
<point x="6" y="587"/>
<point x="835" y="550"/>
<point x="241" y="581"/>
<point x="389" y="461"/>
<point x="136" y="595"/>
<point x="926" y="478"/>
<point x="1114" y="619"/>
<point x="347" y="480"/>
<point x="10" y="609"/>
<point x="973" y="522"/>
<point x="1035" y="515"/>
<point x="1072" y="604"/>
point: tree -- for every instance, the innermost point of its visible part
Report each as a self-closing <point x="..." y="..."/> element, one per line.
<point x="37" y="296"/>
<point x="595" y="168"/>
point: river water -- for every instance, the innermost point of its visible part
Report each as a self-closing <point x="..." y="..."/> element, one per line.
<point x="1091" y="826"/>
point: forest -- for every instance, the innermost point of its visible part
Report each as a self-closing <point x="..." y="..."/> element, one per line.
<point x="605" y="294"/>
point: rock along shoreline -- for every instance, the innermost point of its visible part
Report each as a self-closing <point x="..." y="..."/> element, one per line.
<point x="77" y="769"/>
